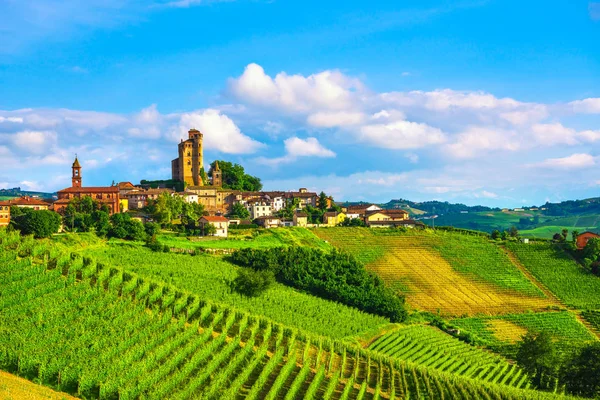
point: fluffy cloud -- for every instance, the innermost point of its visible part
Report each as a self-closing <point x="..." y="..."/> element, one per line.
<point x="553" y="134"/>
<point x="34" y="142"/>
<point x="575" y="161"/>
<point x="401" y="135"/>
<point x="296" y="147"/>
<point x="476" y="141"/>
<point x="335" y="119"/>
<point x="327" y="90"/>
<point x="16" y="120"/>
<point x="586" y="106"/>
<point x="220" y="132"/>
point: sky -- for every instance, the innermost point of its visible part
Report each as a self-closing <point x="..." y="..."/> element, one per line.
<point x="491" y="102"/>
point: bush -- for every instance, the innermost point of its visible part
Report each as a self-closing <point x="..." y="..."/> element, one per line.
<point x="40" y="224"/>
<point x="335" y="276"/>
<point x="252" y="283"/>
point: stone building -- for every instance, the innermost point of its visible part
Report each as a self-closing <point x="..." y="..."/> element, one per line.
<point x="187" y="167"/>
<point x="108" y="195"/>
<point x="4" y="213"/>
<point x="29" y="202"/>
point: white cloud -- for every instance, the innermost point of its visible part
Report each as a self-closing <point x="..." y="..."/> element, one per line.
<point x="412" y="157"/>
<point x="36" y="142"/>
<point x="327" y="90"/>
<point x="586" y="106"/>
<point x="589" y="135"/>
<point x="554" y="133"/>
<point x="220" y="132"/>
<point x="16" y="120"/>
<point x="401" y="135"/>
<point x="296" y="147"/>
<point x="336" y="118"/>
<point x="476" y="141"/>
<point x="310" y="147"/>
<point x="448" y="99"/>
<point x="273" y="128"/>
<point x="488" y="195"/>
<point x="575" y="161"/>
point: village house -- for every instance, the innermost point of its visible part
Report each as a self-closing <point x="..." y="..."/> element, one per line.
<point x="390" y="218"/>
<point x="333" y="218"/>
<point x="268" y="222"/>
<point x="360" y="211"/>
<point x="220" y="223"/>
<point x="300" y="219"/>
<point x="29" y="202"/>
<point x="258" y="210"/>
<point x="305" y="198"/>
<point x="189" y="197"/>
<point x="108" y="195"/>
<point x="138" y="198"/>
<point x="125" y="187"/>
<point x="585" y="237"/>
<point x="4" y="213"/>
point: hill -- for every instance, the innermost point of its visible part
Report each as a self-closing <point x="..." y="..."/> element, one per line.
<point x="445" y="272"/>
<point x="7" y="194"/>
<point x="100" y="332"/>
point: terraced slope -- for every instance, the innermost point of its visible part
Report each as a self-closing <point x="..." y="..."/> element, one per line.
<point x="430" y="347"/>
<point x="95" y="331"/>
<point x="448" y="272"/>
<point x="560" y="273"/>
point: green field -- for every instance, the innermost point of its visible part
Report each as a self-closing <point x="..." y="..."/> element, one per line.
<point x="555" y="269"/>
<point x="507" y="329"/>
<point x="252" y="238"/>
<point x="209" y="277"/>
<point x="547" y="232"/>
<point x="435" y="349"/>
<point x="96" y="331"/>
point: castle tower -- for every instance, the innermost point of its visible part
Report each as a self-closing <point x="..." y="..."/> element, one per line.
<point x="76" y="175"/>
<point x="217" y="176"/>
<point x="187" y="166"/>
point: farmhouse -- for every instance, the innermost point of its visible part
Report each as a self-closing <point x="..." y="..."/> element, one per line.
<point x="4" y="213"/>
<point x="29" y="202"/>
<point x="583" y="239"/>
<point x="268" y="222"/>
<point x="300" y="219"/>
<point x="221" y="224"/>
<point x="390" y="218"/>
<point x="360" y="211"/>
<point x="333" y="218"/>
<point x="108" y="195"/>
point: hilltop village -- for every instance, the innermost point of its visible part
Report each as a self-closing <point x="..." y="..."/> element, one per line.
<point x="221" y="206"/>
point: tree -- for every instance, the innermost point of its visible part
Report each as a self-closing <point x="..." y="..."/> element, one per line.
<point x="495" y="234"/>
<point x="239" y="211"/>
<point x="322" y="201"/>
<point x="124" y="227"/>
<point x="557" y="237"/>
<point x="101" y="222"/>
<point x="592" y="249"/>
<point x="353" y="222"/>
<point x="235" y="177"/>
<point x="580" y="374"/>
<point x="575" y="235"/>
<point x="565" y="234"/>
<point x="538" y="357"/>
<point x="40" y="224"/>
<point x="513" y="232"/>
<point x="252" y="283"/>
<point x="208" y="230"/>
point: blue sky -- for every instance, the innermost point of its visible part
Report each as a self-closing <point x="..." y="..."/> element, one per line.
<point x="481" y="102"/>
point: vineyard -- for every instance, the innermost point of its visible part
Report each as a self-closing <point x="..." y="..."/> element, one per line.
<point x="560" y="273"/>
<point x="449" y="272"/>
<point x="506" y="329"/>
<point x="209" y="277"/>
<point x="99" y="332"/>
<point x="435" y="349"/>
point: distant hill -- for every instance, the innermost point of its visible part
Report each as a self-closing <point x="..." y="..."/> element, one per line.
<point x="7" y="194"/>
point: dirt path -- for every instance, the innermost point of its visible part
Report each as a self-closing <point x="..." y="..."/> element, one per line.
<point x="13" y="387"/>
<point x="548" y="293"/>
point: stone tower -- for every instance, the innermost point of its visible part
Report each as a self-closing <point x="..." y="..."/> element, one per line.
<point x="217" y="176"/>
<point x="76" y="175"/>
<point x="187" y="166"/>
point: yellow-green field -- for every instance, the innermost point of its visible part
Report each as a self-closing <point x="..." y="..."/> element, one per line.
<point x="447" y="272"/>
<point x="14" y="388"/>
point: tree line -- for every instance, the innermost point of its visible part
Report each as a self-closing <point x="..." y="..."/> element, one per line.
<point x="334" y="276"/>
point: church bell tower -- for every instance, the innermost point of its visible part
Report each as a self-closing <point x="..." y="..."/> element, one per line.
<point x="76" y="178"/>
<point x="217" y="177"/>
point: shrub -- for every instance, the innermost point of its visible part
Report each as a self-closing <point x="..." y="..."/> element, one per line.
<point x="252" y="283"/>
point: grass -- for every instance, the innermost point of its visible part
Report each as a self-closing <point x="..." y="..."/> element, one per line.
<point x="548" y="231"/>
<point x="255" y="238"/>
<point x="554" y="268"/>
<point x="209" y="277"/>
<point x="13" y="387"/>
<point x="448" y="272"/>
<point x="504" y="330"/>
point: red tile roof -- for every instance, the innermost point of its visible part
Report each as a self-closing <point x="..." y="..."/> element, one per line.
<point x="216" y="218"/>
<point x="91" y="189"/>
<point x="28" y="201"/>
<point x="4" y="203"/>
